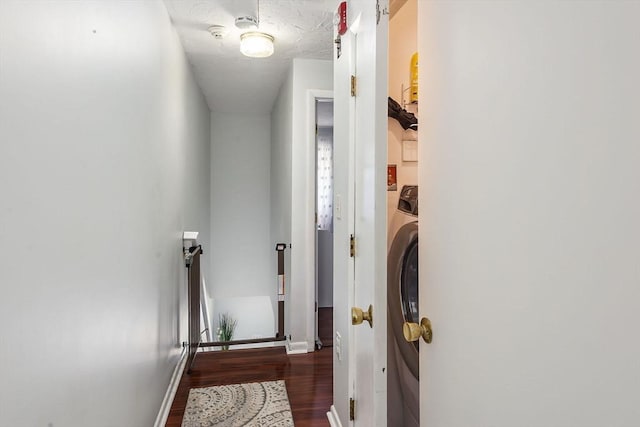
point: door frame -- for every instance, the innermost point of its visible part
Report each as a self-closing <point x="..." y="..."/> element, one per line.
<point x="310" y="226"/>
<point x="313" y="96"/>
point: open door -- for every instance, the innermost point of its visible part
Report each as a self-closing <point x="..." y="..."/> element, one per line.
<point x="360" y="105"/>
<point x="529" y="218"/>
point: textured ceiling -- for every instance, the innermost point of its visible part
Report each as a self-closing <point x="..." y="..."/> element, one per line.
<point x="232" y="82"/>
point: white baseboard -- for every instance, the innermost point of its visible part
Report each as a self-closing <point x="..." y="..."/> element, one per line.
<point x="163" y="414"/>
<point x="257" y="345"/>
<point x="299" y="347"/>
<point x="243" y="346"/>
<point x="334" y="419"/>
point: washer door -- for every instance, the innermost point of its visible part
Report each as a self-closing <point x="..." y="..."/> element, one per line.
<point x="402" y="291"/>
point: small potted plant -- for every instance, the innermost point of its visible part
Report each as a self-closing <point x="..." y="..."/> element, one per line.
<point x="226" y="326"/>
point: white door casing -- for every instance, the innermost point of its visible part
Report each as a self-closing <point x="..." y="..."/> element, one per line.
<point x="313" y="95"/>
<point x="362" y="119"/>
<point x="529" y="229"/>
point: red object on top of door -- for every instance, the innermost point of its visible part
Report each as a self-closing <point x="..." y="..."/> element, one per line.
<point x="341" y="18"/>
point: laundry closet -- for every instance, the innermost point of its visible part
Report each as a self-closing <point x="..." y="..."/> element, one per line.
<point x="402" y="215"/>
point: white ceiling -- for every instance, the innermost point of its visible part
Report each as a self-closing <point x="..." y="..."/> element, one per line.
<point x="232" y="82"/>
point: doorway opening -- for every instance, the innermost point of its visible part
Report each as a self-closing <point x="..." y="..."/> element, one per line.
<point x="324" y="222"/>
<point x="403" y="392"/>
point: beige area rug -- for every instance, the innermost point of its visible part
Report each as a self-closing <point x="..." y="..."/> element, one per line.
<point x="254" y="404"/>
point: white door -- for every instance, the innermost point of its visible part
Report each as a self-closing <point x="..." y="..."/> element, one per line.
<point x="343" y="270"/>
<point x="361" y="123"/>
<point x="530" y="213"/>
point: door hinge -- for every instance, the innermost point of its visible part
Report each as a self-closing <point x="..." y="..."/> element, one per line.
<point x="353" y="85"/>
<point x="352" y="246"/>
<point x="338" y="43"/>
<point x="352" y="409"/>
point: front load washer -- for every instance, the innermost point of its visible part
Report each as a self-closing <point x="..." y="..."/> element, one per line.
<point x="406" y="212"/>
<point x="403" y="398"/>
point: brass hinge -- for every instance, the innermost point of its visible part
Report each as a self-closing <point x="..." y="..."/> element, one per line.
<point x="352" y="246"/>
<point x="353" y="85"/>
<point x="352" y="409"/>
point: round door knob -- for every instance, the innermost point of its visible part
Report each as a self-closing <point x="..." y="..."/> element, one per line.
<point x="413" y="331"/>
<point x="358" y="316"/>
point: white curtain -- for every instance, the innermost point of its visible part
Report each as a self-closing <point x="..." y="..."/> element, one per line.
<point x="325" y="179"/>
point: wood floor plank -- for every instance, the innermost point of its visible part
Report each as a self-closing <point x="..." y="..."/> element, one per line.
<point x="325" y="325"/>
<point x="308" y="378"/>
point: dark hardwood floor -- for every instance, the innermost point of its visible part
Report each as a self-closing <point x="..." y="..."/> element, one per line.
<point x="308" y="377"/>
<point x="325" y="326"/>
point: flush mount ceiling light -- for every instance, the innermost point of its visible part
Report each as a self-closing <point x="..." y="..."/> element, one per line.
<point x="256" y="44"/>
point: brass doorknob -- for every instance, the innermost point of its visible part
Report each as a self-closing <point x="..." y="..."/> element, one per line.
<point x="413" y="331"/>
<point x="358" y="316"/>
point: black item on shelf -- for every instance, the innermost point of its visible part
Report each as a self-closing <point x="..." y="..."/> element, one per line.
<point x="406" y="119"/>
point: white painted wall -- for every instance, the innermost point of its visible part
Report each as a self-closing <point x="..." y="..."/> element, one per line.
<point x="325" y="268"/>
<point x="324" y="238"/>
<point x="103" y="164"/>
<point x="259" y="309"/>
<point x="292" y="191"/>
<point x="241" y="253"/>
<point x="403" y="43"/>
<point x="308" y="74"/>
<point x="281" y="165"/>
<point x="531" y="232"/>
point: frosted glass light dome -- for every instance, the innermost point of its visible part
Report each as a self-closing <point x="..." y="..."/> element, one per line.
<point x="256" y="44"/>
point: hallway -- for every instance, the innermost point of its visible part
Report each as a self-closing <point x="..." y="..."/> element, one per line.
<point x="308" y="378"/>
<point x="111" y="148"/>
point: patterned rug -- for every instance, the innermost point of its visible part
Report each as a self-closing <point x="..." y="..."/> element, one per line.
<point x="253" y="404"/>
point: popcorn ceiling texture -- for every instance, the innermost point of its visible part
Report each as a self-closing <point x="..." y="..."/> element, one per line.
<point x="232" y="82"/>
